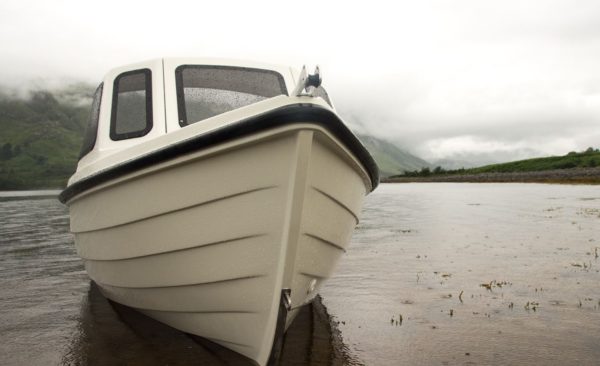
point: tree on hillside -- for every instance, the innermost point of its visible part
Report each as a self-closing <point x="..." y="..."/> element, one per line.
<point x="6" y="151"/>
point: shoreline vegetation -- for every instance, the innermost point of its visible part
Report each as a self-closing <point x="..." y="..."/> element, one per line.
<point x="557" y="176"/>
<point x="573" y="168"/>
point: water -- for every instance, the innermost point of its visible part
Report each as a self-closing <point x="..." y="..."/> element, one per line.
<point x="42" y="282"/>
<point x="418" y="246"/>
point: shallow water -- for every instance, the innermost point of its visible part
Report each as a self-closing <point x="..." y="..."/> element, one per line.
<point x="418" y="246"/>
<point x="42" y="282"/>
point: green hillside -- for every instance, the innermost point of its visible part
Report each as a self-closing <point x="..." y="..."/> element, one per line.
<point x="41" y="136"/>
<point x="390" y="158"/>
<point x="586" y="159"/>
<point x="590" y="158"/>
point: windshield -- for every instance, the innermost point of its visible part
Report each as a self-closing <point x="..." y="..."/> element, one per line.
<point x="206" y="91"/>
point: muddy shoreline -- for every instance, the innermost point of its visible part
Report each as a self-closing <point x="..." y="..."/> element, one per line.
<point x="559" y="176"/>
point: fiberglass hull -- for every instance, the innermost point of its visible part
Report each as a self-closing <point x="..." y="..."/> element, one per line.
<point x="206" y="241"/>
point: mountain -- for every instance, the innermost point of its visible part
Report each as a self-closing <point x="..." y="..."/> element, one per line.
<point x="457" y="163"/>
<point x="391" y="159"/>
<point x="41" y="137"/>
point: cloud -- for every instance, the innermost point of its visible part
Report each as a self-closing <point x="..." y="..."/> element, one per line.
<point x="442" y="78"/>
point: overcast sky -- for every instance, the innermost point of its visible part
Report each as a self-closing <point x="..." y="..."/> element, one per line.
<point x="473" y="80"/>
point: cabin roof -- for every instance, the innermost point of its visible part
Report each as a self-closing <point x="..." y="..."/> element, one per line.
<point x="283" y="69"/>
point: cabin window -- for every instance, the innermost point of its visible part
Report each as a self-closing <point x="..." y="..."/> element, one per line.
<point x="206" y="91"/>
<point x="91" y="130"/>
<point x="131" y="105"/>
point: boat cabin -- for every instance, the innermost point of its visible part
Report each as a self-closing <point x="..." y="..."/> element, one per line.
<point x="139" y="103"/>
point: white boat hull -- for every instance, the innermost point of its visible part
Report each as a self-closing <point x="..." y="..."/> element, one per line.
<point x="207" y="241"/>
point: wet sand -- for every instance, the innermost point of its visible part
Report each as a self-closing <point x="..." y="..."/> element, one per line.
<point x="485" y="274"/>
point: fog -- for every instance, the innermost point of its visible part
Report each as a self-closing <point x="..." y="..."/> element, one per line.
<point x="470" y="80"/>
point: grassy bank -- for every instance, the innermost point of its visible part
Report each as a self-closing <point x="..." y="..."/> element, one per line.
<point x="575" y="167"/>
<point x="564" y="176"/>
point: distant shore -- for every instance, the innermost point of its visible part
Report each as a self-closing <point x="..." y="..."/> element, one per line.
<point x="559" y="176"/>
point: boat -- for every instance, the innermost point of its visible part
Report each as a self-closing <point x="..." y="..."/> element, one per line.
<point x="216" y="196"/>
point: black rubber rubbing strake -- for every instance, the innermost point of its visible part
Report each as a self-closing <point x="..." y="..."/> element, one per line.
<point x="286" y="115"/>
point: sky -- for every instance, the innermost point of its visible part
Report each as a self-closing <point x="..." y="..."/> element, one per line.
<point x="467" y="80"/>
